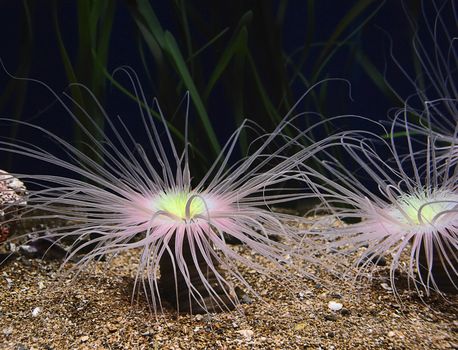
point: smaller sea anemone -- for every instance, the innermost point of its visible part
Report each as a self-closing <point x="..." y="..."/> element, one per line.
<point x="402" y="212"/>
<point x="126" y="196"/>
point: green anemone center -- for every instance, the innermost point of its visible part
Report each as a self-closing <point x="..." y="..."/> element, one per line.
<point x="183" y="205"/>
<point x="423" y="208"/>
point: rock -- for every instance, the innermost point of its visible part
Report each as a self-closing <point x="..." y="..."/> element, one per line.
<point x="12" y="190"/>
<point x="36" y="311"/>
<point x="334" y="306"/>
<point x="345" y="312"/>
<point x="112" y="328"/>
<point x="246" y="299"/>
<point x="246" y="333"/>
<point x="7" y="331"/>
<point x="84" y="338"/>
<point x="330" y="317"/>
<point x="12" y="200"/>
<point x="43" y="248"/>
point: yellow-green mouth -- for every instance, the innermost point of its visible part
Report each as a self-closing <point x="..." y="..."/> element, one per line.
<point x="183" y="205"/>
<point x="421" y="208"/>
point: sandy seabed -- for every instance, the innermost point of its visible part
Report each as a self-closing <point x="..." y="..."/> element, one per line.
<point x="40" y="309"/>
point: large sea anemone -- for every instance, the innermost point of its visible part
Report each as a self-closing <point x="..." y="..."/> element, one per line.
<point x="123" y="195"/>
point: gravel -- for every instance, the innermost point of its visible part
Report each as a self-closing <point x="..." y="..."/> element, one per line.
<point x="95" y="312"/>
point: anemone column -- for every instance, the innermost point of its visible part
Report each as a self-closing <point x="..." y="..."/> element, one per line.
<point x="441" y="268"/>
<point x="178" y="290"/>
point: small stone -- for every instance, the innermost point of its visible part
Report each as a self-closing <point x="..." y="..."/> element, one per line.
<point x="7" y="331"/>
<point x="84" y="338"/>
<point x="36" y="311"/>
<point x="246" y="299"/>
<point x="246" y="333"/>
<point x="385" y="286"/>
<point x="112" y="328"/>
<point x="9" y="282"/>
<point x="299" y="326"/>
<point x="199" y="317"/>
<point x="345" y="312"/>
<point x="41" y="285"/>
<point x="334" y="306"/>
<point x="391" y="334"/>
<point x="331" y="317"/>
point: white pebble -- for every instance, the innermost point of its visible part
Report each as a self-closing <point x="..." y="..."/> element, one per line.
<point x="246" y="333"/>
<point x="36" y="311"/>
<point x="8" y="331"/>
<point x="334" y="306"/>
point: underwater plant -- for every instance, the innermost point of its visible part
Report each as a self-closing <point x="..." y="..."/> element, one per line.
<point x="390" y="207"/>
<point x="141" y="196"/>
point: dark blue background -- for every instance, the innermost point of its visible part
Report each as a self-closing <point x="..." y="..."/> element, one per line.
<point x="389" y="23"/>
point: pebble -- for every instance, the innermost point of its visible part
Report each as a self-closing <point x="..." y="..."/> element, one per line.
<point x="36" y="311"/>
<point x="385" y="286"/>
<point x="330" y="317"/>
<point x="391" y="334"/>
<point x="246" y="333"/>
<point x="9" y="282"/>
<point x="334" y="306"/>
<point x="345" y="312"/>
<point x="84" y="338"/>
<point x="246" y="299"/>
<point x="7" y="331"/>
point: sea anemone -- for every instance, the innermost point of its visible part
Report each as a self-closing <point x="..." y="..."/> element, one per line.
<point x="386" y="206"/>
<point x="124" y="195"/>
